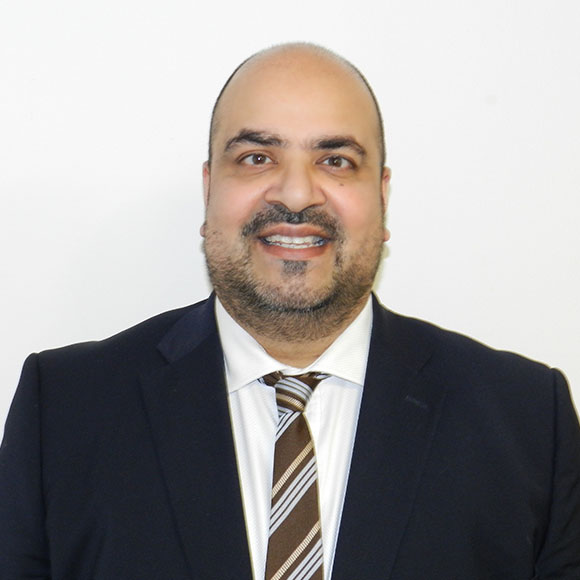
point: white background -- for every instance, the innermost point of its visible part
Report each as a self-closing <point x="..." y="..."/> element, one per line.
<point x="104" y="113"/>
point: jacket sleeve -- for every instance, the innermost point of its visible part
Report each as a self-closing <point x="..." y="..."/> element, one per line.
<point x="23" y="544"/>
<point x="560" y="554"/>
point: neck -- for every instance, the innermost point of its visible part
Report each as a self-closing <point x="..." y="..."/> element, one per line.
<point x="301" y="352"/>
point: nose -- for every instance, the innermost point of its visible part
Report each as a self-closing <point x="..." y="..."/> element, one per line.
<point x="296" y="188"/>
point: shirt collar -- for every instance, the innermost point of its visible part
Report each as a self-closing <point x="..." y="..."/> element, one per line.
<point x="246" y="360"/>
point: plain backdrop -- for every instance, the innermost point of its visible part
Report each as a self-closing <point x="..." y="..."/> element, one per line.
<point x="104" y="114"/>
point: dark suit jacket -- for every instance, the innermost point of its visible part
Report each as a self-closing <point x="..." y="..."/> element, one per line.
<point x="118" y="462"/>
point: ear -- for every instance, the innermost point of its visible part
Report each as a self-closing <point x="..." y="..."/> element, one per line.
<point x="205" y="174"/>
<point x="206" y="179"/>
<point x="385" y="188"/>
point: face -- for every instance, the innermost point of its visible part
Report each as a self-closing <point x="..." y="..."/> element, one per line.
<point x="295" y="195"/>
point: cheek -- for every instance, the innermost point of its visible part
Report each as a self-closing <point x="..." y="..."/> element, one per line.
<point x="229" y="206"/>
<point x="361" y="213"/>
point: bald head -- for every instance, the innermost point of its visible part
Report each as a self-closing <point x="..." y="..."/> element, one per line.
<point x="302" y="62"/>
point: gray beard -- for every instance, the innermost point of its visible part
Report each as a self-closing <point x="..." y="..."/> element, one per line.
<point x="289" y="312"/>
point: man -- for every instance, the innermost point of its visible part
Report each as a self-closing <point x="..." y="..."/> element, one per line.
<point x="151" y="454"/>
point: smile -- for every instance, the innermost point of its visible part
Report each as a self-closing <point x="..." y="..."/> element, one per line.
<point x="294" y="242"/>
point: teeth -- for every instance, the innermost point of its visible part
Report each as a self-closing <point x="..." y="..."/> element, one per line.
<point x="294" y="242"/>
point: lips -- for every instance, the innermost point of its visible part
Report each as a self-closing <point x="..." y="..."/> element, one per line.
<point x="294" y="242"/>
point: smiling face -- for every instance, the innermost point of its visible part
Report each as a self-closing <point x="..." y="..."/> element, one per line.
<point x="295" y="195"/>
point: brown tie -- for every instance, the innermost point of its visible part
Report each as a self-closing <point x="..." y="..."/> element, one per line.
<point x="295" y="544"/>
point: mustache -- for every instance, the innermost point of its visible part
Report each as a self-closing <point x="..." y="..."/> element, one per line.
<point x="278" y="214"/>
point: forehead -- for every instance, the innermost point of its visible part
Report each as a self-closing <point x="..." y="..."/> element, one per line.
<point x="299" y="96"/>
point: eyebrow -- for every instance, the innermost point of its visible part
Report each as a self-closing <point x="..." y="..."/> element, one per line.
<point x="264" y="139"/>
<point x="339" y="142"/>
<point x="255" y="138"/>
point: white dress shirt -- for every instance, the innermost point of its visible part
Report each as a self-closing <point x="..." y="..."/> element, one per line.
<point x="332" y="414"/>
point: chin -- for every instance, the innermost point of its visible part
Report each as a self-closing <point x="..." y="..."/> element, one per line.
<point x="293" y="304"/>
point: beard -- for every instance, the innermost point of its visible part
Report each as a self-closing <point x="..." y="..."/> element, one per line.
<point x="291" y="310"/>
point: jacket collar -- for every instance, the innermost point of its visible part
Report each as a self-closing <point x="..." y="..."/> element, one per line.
<point x="188" y="410"/>
<point x="189" y="331"/>
<point x="398" y="419"/>
<point x="187" y="407"/>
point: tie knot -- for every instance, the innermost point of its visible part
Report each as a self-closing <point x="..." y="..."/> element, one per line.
<point x="293" y="391"/>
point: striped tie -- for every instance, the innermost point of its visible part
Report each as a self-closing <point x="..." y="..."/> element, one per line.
<point x="295" y="544"/>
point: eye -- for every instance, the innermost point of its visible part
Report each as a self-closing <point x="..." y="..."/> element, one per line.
<point x="338" y="162"/>
<point x="255" y="159"/>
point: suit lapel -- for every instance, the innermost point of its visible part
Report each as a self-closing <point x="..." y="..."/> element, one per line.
<point x="398" y="418"/>
<point x="187" y="405"/>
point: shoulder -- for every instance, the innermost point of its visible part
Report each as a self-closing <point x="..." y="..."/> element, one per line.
<point x="459" y="358"/>
<point x="137" y="346"/>
<point x="76" y="383"/>
<point x="489" y="389"/>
